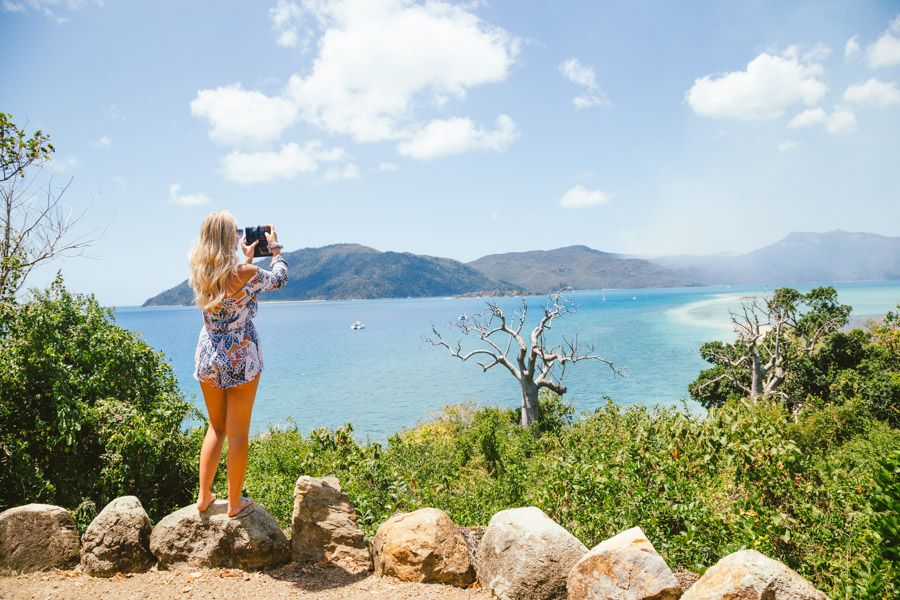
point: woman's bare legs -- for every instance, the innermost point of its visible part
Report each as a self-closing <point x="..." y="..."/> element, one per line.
<point x="239" y="403"/>
<point x="212" y="443"/>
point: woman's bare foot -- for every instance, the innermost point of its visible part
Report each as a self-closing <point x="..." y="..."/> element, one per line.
<point x="234" y="510"/>
<point x="204" y="501"/>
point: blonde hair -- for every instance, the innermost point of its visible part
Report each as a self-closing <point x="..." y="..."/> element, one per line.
<point x="213" y="258"/>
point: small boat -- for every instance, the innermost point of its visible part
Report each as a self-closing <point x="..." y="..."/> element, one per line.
<point x="634" y="297"/>
<point x="357" y="325"/>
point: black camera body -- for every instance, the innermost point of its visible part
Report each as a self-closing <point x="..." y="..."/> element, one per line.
<point x="253" y="234"/>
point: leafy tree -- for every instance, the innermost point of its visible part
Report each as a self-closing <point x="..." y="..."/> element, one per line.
<point x="859" y="366"/>
<point x="32" y="230"/>
<point x="88" y="410"/>
<point x="773" y="335"/>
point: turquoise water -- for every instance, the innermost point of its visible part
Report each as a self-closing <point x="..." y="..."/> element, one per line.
<point x="384" y="377"/>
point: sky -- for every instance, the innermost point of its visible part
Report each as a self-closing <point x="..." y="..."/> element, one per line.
<point x="454" y="129"/>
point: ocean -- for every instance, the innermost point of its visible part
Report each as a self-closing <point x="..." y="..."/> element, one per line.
<point x="321" y="373"/>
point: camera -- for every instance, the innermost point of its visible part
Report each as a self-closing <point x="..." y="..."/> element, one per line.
<point x="253" y="234"/>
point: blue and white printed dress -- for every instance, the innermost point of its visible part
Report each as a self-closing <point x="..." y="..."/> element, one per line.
<point x="228" y="352"/>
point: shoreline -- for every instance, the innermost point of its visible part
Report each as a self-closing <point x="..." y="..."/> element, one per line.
<point x="761" y="287"/>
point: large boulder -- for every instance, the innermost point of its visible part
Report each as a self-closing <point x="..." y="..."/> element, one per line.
<point x="749" y="575"/>
<point x="624" y="567"/>
<point x="38" y="537"/>
<point x="250" y="540"/>
<point x="118" y="539"/>
<point x="323" y="526"/>
<point x="525" y="554"/>
<point x="423" y="546"/>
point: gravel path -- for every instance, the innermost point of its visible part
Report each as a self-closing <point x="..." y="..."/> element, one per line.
<point x="292" y="580"/>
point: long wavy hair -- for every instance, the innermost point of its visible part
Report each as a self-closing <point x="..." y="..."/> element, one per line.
<point x="213" y="258"/>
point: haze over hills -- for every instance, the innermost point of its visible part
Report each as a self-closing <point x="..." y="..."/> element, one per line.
<point x="345" y="271"/>
<point x="799" y="257"/>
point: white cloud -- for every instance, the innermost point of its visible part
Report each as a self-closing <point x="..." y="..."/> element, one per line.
<point x="114" y="113"/>
<point x="51" y="9"/>
<point x="378" y="60"/>
<point x="873" y="93"/>
<point x="589" y="100"/>
<point x="348" y="171"/>
<point x="103" y="141"/>
<point x="445" y="137"/>
<point x="787" y="146"/>
<point x="257" y="167"/>
<point x="885" y="52"/>
<point x="242" y="117"/>
<point x="816" y="54"/>
<point x="808" y="117"/>
<point x="851" y="48"/>
<point x="288" y="38"/>
<point x="770" y="85"/>
<point x="120" y="182"/>
<point x="841" y="120"/>
<point x="380" y="65"/>
<point x="580" y="197"/>
<point x="386" y="166"/>
<point x="286" y="20"/>
<point x="176" y="197"/>
<point x="577" y="72"/>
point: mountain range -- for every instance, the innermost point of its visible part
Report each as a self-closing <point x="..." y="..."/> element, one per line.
<point x="349" y="271"/>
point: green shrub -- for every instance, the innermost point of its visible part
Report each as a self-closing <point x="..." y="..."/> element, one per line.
<point x="88" y="411"/>
<point x="748" y="474"/>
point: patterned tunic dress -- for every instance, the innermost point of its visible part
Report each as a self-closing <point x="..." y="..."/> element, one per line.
<point x="228" y="352"/>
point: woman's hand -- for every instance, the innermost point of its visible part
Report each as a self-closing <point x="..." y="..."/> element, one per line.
<point x="248" y="250"/>
<point x="272" y="238"/>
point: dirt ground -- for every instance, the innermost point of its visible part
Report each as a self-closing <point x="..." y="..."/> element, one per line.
<point x="292" y="580"/>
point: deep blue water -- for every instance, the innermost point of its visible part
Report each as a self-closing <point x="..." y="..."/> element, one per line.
<point x="384" y="377"/>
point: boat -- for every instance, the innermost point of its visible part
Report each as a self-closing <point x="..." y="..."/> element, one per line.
<point x="357" y="325"/>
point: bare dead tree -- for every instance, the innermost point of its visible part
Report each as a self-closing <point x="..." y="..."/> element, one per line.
<point x="35" y="227"/>
<point x="530" y="361"/>
<point x="770" y="333"/>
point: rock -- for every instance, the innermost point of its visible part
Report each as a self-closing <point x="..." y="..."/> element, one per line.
<point x="423" y="546"/>
<point x="624" y="567"/>
<point x="118" y="539"/>
<point x="251" y="540"/>
<point x="525" y="554"/>
<point x="750" y="575"/>
<point x="38" y="537"/>
<point x="324" y="526"/>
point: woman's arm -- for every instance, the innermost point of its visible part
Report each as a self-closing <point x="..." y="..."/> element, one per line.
<point x="265" y="281"/>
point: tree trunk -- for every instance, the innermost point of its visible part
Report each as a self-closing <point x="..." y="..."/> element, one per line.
<point x="529" y="403"/>
<point x="756" y="376"/>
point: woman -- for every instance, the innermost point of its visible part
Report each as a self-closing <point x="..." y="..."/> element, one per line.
<point x="228" y="360"/>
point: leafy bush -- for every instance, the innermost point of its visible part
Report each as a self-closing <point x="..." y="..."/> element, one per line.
<point x="749" y="474"/>
<point x="88" y="411"/>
